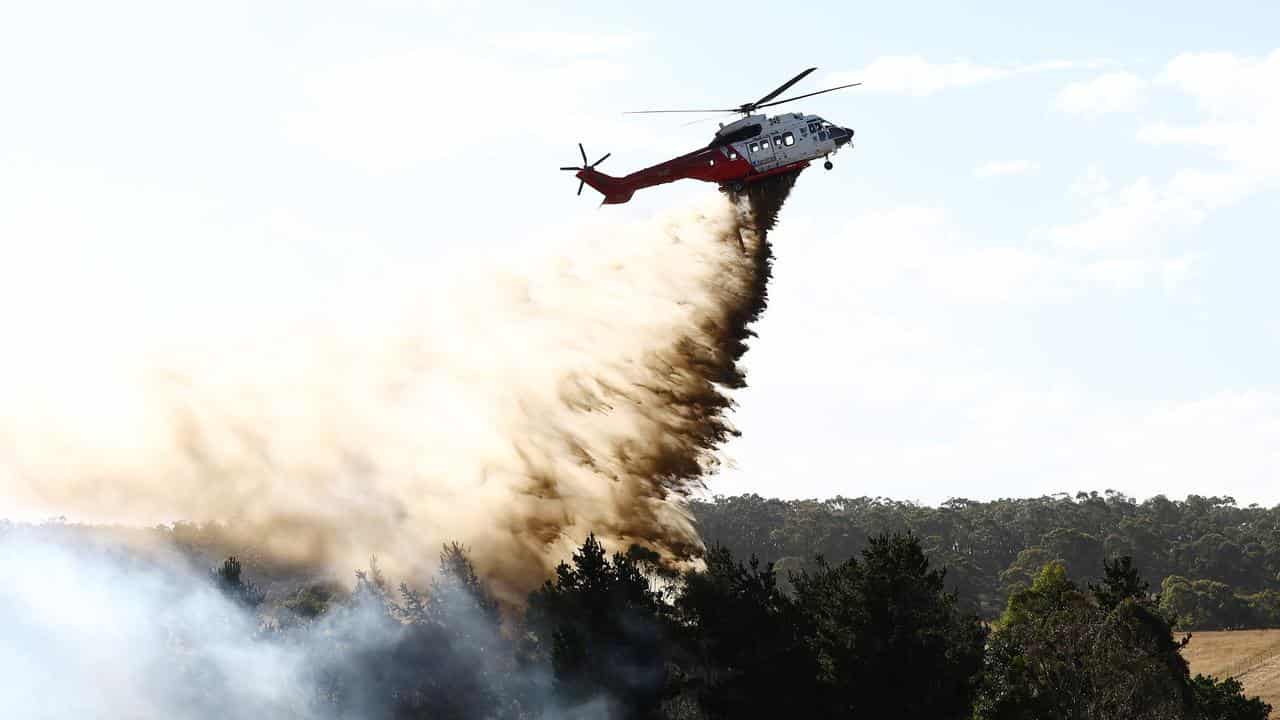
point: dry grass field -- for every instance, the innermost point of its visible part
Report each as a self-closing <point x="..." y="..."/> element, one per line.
<point x="1250" y="656"/>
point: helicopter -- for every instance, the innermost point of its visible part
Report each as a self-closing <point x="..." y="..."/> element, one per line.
<point x="749" y="149"/>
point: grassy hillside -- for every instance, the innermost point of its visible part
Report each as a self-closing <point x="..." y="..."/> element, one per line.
<point x="1250" y="656"/>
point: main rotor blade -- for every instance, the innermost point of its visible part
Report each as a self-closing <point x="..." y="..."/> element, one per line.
<point x="606" y="156"/>
<point x="762" y="102"/>
<point x="787" y="100"/>
<point x="580" y="184"/>
<point x="782" y="88"/>
<point x="570" y="168"/>
<point x="585" y="162"/>
<point x="647" y="112"/>
<point x="702" y="120"/>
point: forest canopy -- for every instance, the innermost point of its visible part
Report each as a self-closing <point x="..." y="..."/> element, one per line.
<point x="1215" y="564"/>
<point x="1007" y="610"/>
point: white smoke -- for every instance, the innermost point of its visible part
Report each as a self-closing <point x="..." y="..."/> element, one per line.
<point x="83" y="634"/>
<point x="89" y="630"/>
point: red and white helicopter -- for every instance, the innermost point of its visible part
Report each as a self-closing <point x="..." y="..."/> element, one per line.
<point x="751" y="148"/>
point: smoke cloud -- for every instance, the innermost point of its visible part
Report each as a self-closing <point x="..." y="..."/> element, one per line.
<point x="87" y="634"/>
<point x="512" y="407"/>
<point x="87" y="630"/>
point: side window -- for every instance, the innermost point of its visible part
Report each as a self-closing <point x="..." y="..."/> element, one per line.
<point x="788" y="139"/>
<point x="777" y="141"/>
<point x="764" y="143"/>
<point x="813" y="127"/>
<point x="755" y="147"/>
<point x="733" y="155"/>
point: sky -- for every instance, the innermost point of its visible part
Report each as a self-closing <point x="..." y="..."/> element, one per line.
<point x="1046" y="265"/>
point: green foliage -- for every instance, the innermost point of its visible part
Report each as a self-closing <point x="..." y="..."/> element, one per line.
<point x="1264" y="607"/>
<point x="890" y="641"/>
<point x="1080" y="551"/>
<point x="1108" y="653"/>
<point x="1225" y="700"/>
<point x="227" y="577"/>
<point x="1206" y="605"/>
<point x="993" y="549"/>
<point x="1120" y="582"/>
<point x="603" y="628"/>
<point x="872" y="637"/>
<point x="1025" y="569"/>
<point x="749" y="641"/>
<point x="878" y="634"/>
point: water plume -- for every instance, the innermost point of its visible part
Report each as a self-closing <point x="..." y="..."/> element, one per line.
<point x="513" y="407"/>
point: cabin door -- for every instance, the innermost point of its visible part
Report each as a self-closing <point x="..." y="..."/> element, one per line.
<point x="761" y="153"/>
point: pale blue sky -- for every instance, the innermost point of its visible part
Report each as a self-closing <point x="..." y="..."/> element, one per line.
<point x="1047" y="265"/>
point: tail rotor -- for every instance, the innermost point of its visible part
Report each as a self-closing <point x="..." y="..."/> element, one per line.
<point x="585" y="166"/>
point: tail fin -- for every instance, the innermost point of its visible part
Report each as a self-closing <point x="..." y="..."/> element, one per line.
<point x="614" y="189"/>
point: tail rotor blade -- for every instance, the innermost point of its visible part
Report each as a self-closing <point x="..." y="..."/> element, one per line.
<point x="586" y="166"/>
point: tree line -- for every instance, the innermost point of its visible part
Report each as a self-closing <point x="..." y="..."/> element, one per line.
<point x="622" y="635"/>
<point x="1216" y="564"/>
<point x="877" y="635"/>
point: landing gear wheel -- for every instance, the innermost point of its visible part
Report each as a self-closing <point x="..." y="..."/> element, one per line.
<point x="737" y="187"/>
<point x="827" y="165"/>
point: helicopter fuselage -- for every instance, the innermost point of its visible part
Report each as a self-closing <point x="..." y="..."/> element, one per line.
<point x="744" y="151"/>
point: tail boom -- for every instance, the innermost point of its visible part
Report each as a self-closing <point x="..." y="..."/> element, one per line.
<point x="719" y="165"/>
<point x="615" y="190"/>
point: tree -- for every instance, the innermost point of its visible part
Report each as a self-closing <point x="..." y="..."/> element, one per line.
<point x="1059" y="653"/>
<point x="1199" y="538"/>
<point x="452" y="638"/>
<point x="1080" y="551"/>
<point x="438" y="654"/>
<point x="1120" y="582"/>
<point x="227" y="577"/>
<point x="1225" y="700"/>
<point x="890" y="641"/>
<point x="1024" y="569"/>
<point x="748" y="640"/>
<point x="603" y="629"/>
<point x="1030" y="668"/>
<point x="1204" y="605"/>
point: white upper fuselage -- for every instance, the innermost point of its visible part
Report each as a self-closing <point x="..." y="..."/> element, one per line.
<point x="782" y="139"/>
